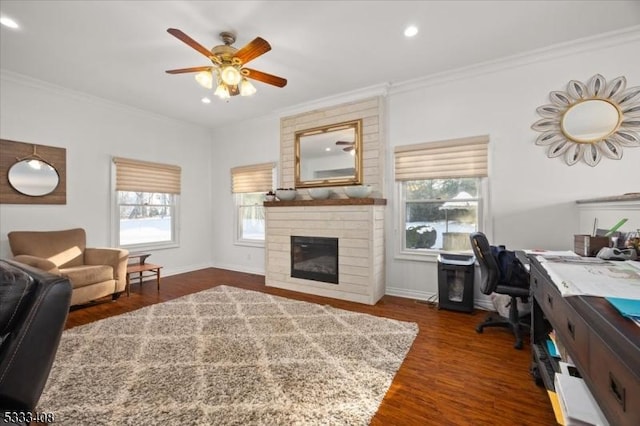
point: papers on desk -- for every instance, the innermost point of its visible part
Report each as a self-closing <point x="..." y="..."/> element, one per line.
<point x="574" y="276"/>
<point x="545" y="253"/>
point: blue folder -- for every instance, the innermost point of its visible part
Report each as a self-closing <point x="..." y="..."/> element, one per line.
<point x="552" y="349"/>
<point x="627" y="307"/>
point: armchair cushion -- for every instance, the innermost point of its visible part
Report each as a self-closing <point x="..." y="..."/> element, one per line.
<point x="116" y="258"/>
<point x="38" y="262"/>
<point x="81" y="276"/>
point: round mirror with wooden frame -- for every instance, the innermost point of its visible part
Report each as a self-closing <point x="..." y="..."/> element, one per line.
<point x="590" y="120"/>
<point x="33" y="177"/>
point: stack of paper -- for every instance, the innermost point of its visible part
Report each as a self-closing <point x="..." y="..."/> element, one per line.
<point x="576" y="402"/>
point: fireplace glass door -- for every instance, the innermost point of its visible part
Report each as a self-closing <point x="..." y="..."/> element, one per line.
<point x="314" y="258"/>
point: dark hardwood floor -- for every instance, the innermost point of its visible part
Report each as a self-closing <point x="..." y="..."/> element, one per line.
<point x="451" y="376"/>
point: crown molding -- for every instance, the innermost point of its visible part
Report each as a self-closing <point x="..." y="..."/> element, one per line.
<point x="329" y="101"/>
<point x="574" y="47"/>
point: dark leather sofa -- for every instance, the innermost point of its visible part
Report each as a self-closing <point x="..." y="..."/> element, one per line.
<point x="33" y="309"/>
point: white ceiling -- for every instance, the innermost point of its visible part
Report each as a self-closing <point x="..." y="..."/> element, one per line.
<point x="119" y="50"/>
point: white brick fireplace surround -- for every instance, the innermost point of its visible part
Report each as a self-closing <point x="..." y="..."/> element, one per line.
<point x="358" y="224"/>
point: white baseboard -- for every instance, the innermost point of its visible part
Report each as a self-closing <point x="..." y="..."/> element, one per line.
<point x="238" y="268"/>
<point x="390" y="291"/>
<point x="167" y="272"/>
<point x="422" y="295"/>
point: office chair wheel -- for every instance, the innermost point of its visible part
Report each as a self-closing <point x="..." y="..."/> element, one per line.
<point x="479" y="329"/>
<point x="518" y="344"/>
<point x="537" y="377"/>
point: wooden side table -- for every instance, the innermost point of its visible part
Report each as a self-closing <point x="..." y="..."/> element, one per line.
<point x="143" y="270"/>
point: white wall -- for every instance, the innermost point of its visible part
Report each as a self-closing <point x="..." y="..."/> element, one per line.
<point x="242" y="144"/>
<point x="92" y="131"/>
<point x="531" y="197"/>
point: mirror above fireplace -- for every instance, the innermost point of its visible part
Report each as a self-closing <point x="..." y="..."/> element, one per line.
<point x="329" y="155"/>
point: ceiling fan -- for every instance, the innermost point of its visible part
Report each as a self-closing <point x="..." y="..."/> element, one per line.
<point x="228" y="62"/>
<point x="350" y="146"/>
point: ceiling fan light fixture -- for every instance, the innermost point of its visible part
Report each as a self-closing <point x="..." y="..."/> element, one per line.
<point x="222" y="91"/>
<point x="230" y="75"/>
<point x="205" y="79"/>
<point x="226" y="73"/>
<point x="246" y="88"/>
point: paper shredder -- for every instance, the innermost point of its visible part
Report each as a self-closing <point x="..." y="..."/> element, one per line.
<point x="455" y="281"/>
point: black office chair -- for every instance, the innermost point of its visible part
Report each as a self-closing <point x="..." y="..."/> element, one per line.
<point x="490" y="282"/>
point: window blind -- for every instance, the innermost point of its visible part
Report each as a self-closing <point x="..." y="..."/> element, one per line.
<point x="455" y="158"/>
<point x="253" y="178"/>
<point x="144" y="176"/>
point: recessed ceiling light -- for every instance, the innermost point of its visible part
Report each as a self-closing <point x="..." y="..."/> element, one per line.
<point x="206" y="100"/>
<point x="410" y="31"/>
<point x="8" y="22"/>
<point x="327" y="149"/>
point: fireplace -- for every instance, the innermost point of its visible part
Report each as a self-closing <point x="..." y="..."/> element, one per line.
<point x="314" y="258"/>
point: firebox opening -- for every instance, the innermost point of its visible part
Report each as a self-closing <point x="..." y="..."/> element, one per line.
<point x="314" y="258"/>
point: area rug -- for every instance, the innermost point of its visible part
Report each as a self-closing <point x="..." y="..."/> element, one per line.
<point x="227" y="356"/>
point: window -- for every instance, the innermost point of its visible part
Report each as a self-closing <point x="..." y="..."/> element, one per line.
<point x="440" y="213"/>
<point x="249" y="185"/>
<point x="251" y="219"/>
<point x="147" y="196"/>
<point x="145" y="218"/>
<point x="441" y="187"/>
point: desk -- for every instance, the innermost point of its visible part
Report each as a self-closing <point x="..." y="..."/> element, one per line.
<point x="603" y="345"/>
<point x="143" y="270"/>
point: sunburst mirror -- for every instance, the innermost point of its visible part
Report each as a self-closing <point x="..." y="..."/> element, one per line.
<point x="590" y="120"/>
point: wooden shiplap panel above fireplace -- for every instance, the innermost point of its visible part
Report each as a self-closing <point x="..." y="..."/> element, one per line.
<point x="370" y="110"/>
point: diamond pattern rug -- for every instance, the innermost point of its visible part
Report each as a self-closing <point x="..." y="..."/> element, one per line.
<point x="227" y="356"/>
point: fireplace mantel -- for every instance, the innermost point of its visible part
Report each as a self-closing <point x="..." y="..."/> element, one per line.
<point x="329" y="202"/>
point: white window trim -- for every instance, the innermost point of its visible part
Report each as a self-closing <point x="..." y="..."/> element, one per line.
<point x="236" y="228"/>
<point x="115" y="223"/>
<point x="431" y="255"/>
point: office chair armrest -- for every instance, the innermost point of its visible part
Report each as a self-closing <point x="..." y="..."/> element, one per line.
<point x="513" y="291"/>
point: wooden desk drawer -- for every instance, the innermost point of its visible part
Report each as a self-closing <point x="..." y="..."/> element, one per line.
<point x="575" y="335"/>
<point x="615" y="386"/>
<point x="548" y="297"/>
<point x="571" y="329"/>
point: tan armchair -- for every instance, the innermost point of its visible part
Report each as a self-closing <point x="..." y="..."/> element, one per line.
<point x="93" y="272"/>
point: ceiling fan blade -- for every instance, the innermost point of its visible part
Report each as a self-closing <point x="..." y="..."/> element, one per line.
<point x="344" y="143"/>
<point x="255" y="48"/>
<point x="185" y="70"/>
<point x="348" y="149"/>
<point x="189" y="41"/>
<point x="265" y="78"/>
